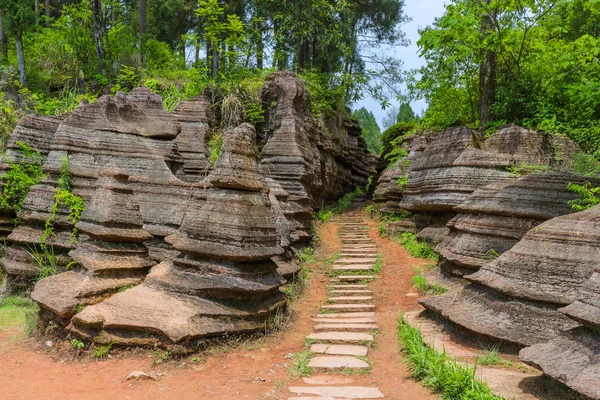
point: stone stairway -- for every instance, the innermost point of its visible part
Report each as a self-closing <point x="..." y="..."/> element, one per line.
<point x="344" y="330"/>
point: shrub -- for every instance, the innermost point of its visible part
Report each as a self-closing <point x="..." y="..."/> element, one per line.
<point x="19" y="178"/>
<point x="417" y="249"/>
<point x="588" y="196"/>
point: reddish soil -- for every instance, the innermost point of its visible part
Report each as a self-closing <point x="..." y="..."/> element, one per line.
<point x="255" y="369"/>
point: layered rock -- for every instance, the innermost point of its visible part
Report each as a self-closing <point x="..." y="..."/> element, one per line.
<point x="110" y="250"/>
<point x="223" y="282"/>
<point x="516" y="296"/>
<point x="459" y="160"/>
<point x="36" y="132"/>
<point x="573" y="357"/>
<point x="314" y="162"/>
<point x="131" y="131"/>
<point x="495" y="217"/>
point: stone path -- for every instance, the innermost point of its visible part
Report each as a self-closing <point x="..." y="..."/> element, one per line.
<point x="344" y="331"/>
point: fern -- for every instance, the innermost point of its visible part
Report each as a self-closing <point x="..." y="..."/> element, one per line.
<point x="588" y="196"/>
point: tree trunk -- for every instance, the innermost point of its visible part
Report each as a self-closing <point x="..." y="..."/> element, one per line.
<point x="47" y="12"/>
<point x="260" y="46"/>
<point x="98" y="32"/>
<point x="21" y="59"/>
<point x="36" y="10"/>
<point x="487" y="75"/>
<point x="214" y="64"/>
<point x="3" y="41"/>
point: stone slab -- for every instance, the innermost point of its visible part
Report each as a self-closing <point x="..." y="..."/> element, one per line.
<point x="337" y="362"/>
<point x="356" y="267"/>
<point x="348" y="315"/>
<point x="355" y="278"/>
<point x="327" y="380"/>
<point x="357" y="320"/>
<point x="342" y="392"/>
<point x="349" y="286"/>
<point x="349" y="307"/>
<point x="355" y="260"/>
<point x="340" y="349"/>
<point x="351" y="292"/>
<point x="347" y="327"/>
<point x="342" y="337"/>
<point x="344" y="299"/>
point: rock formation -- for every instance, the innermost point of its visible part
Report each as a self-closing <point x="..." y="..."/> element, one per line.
<point x="573" y="357"/>
<point x="110" y="250"/>
<point x="516" y="296"/>
<point x="495" y="217"/>
<point x="224" y="280"/>
<point x="314" y="162"/>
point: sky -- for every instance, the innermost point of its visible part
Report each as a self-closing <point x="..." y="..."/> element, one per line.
<point x="422" y="12"/>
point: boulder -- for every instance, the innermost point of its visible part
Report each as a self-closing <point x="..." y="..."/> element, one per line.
<point x="459" y="160"/>
<point x="224" y="280"/>
<point x="573" y="357"/>
<point x="110" y="250"/>
<point x="433" y="235"/>
<point x="495" y="217"/>
<point x="516" y="297"/>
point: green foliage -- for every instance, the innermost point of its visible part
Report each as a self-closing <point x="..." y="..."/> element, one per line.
<point x="299" y="367"/>
<point x="159" y="357"/>
<point x="378" y="265"/>
<point x="425" y="288"/>
<point x="526" y="169"/>
<point x="16" y="311"/>
<point x="589" y="196"/>
<point x="370" y="129"/>
<point x="405" y="114"/>
<point x="490" y="357"/>
<point x="436" y="371"/>
<point x="307" y="255"/>
<point x="9" y="116"/>
<point x="586" y="164"/>
<point x="327" y="212"/>
<point x="125" y="288"/>
<point x="77" y="344"/>
<point x="45" y="258"/>
<point x="21" y="176"/>
<point x="215" y="144"/>
<point x="102" y="351"/>
<point x="416" y="249"/>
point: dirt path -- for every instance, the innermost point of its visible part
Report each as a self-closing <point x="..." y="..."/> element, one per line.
<point x="253" y="370"/>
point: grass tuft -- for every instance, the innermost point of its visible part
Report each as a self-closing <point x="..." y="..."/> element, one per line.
<point x="299" y="367"/>
<point x="416" y="249"/>
<point x="425" y="288"/>
<point x="19" y="311"/>
<point x="439" y="373"/>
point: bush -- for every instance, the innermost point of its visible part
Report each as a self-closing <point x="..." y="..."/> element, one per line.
<point x="19" y="178"/>
<point x="588" y="196"/>
<point x="417" y="249"/>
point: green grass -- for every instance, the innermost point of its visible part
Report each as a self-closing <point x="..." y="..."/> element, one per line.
<point x="438" y="372"/>
<point x="378" y="263"/>
<point x="327" y="212"/>
<point x="425" y="288"/>
<point x="102" y="351"/>
<point x="18" y="311"/>
<point x="416" y="249"/>
<point x="490" y="357"/>
<point x="299" y="367"/>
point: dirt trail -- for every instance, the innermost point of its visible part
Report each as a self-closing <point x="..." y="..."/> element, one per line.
<point x="255" y="370"/>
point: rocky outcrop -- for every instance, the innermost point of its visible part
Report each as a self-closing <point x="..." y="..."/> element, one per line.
<point x="451" y="165"/>
<point x="224" y="281"/>
<point x="110" y="251"/>
<point x="388" y="193"/>
<point x="573" y="357"/>
<point x="495" y="217"/>
<point x="516" y="297"/>
<point x="314" y="162"/>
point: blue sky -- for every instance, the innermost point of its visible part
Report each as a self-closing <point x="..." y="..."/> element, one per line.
<point x="422" y="12"/>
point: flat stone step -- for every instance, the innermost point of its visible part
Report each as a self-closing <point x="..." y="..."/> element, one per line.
<point x="348" y="315"/>
<point x="345" y="327"/>
<point x="339" y="392"/>
<point x="357" y="241"/>
<point x="344" y="292"/>
<point x="354" y="278"/>
<point x="350" y="299"/>
<point x="350" y="247"/>
<point x="349" y="307"/>
<point x="340" y="349"/>
<point x="355" y="260"/>
<point x="337" y="362"/>
<point x="359" y="254"/>
<point x="342" y="337"/>
<point x="357" y="267"/>
<point x="357" y="320"/>
<point x="313" y="398"/>
<point x="344" y="287"/>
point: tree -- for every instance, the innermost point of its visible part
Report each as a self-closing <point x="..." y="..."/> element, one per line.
<point x="390" y="118"/>
<point x="143" y="25"/>
<point x="406" y="113"/>
<point x="99" y="32"/>
<point x="18" y="16"/>
<point x="370" y="129"/>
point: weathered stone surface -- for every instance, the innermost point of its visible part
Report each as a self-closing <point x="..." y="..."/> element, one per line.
<point x="457" y="161"/>
<point x="224" y="280"/>
<point x="109" y="251"/>
<point x="550" y="263"/>
<point x="432" y="235"/>
<point x="340" y="392"/>
<point x="337" y="362"/>
<point x="305" y="157"/>
<point x="495" y="217"/>
<point x="573" y="357"/>
<point x="340" y="349"/>
<point x="341" y="337"/>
